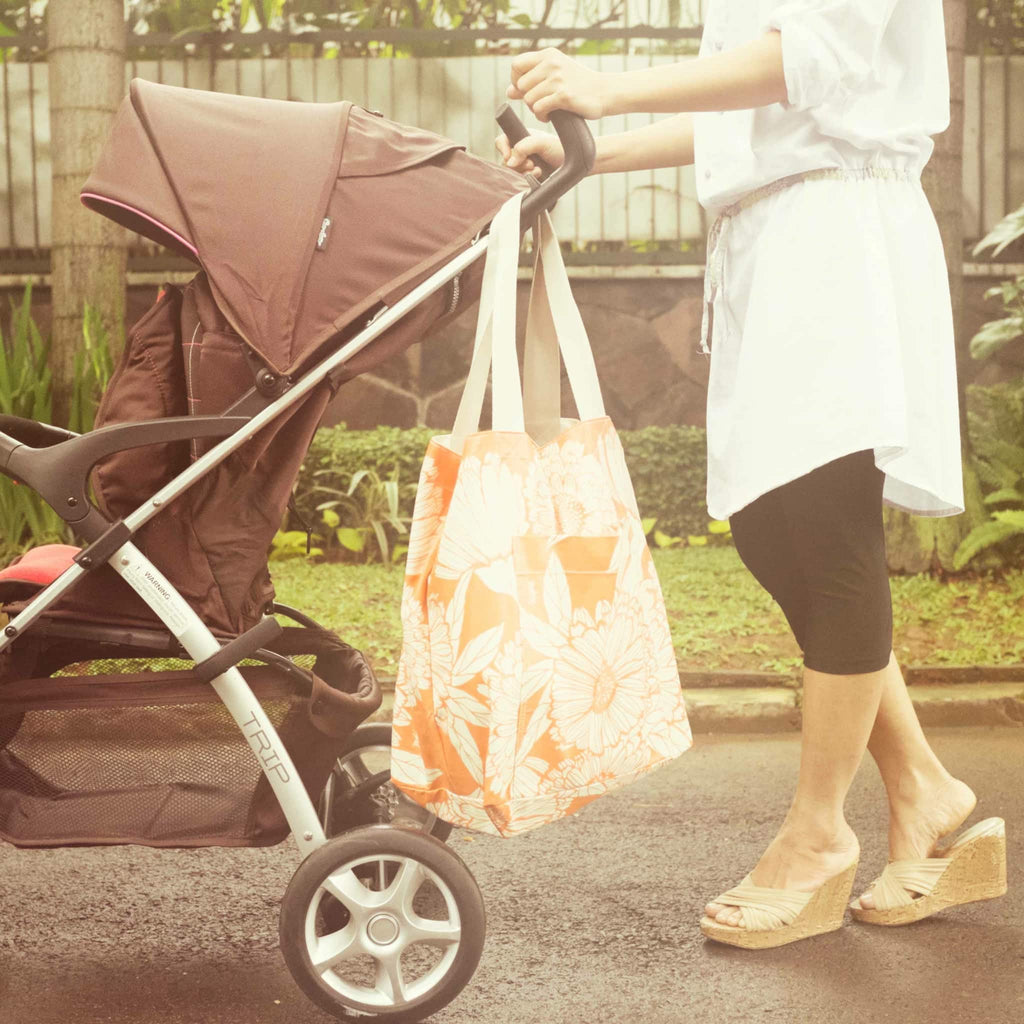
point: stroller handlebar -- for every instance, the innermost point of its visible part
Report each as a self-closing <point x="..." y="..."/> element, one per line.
<point x="578" y="143"/>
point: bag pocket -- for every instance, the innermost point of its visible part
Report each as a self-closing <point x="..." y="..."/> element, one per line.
<point x="557" y="575"/>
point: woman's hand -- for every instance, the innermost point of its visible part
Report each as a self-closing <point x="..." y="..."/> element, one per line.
<point x="546" y="147"/>
<point x="549" y="80"/>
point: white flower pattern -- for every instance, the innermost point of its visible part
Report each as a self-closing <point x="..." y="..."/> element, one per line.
<point x="529" y="685"/>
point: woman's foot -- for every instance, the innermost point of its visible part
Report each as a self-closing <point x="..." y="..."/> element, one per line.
<point x="920" y="816"/>
<point x="800" y="857"/>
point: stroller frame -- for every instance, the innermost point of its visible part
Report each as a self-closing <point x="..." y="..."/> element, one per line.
<point x="154" y="588"/>
<point x="56" y="463"/>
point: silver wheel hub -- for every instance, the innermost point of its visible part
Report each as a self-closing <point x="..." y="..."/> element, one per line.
<point x="383" y="924"/>
<point x="383" y="929"/>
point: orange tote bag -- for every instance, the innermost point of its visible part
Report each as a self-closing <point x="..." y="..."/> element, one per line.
<point x="537" y="671"/>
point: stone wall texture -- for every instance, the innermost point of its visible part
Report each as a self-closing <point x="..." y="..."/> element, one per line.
<point x="645" y="334"/>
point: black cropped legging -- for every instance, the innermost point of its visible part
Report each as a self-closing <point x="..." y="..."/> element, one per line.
<point x="817" y="545"/>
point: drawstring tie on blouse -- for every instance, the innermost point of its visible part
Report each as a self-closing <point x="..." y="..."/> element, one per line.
<point x="714" y="271"/>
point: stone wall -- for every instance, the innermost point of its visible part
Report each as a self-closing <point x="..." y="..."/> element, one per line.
<point x="645" y="334"/>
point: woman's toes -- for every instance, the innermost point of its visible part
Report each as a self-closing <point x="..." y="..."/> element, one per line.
<point x="712" y="909"/>
<point x="866" y="901"/>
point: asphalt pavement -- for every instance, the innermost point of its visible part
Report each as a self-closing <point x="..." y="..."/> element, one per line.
<point x="591" y="920"/>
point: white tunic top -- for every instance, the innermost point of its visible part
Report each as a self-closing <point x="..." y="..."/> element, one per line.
<point x="831" y="327"/>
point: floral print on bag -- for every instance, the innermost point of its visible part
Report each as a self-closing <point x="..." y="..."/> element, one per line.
<point x="537" y="670"/>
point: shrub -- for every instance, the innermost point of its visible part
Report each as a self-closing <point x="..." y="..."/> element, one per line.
<point x="995" y="420"/>
<point x="997" y="428"/>
<point x="667" y="464"/>
<point x="25" y="391"/>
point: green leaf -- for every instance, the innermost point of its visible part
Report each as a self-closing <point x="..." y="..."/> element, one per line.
<point x="330" y="517"/>
<point x="1004" y="494"/>
<point x="663" y="540"/>
<point x="354" y="540"/>
<point x="1007" y="231"/>
<point x="985" y="536"/>
<point x="1011" y="517"/>
<point x="597" y="46"/>
<point x="648" y="524"/>
<point x="357" y="478"/>
<point x="996" y="334"/>
<point x="382" y="539"/>
<point x="719" y="526"/>
<point x="1009" y="455"/>
<point x="696" y="541"/>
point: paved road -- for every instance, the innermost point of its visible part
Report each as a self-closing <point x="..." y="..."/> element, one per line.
<point x="591" y="920"/>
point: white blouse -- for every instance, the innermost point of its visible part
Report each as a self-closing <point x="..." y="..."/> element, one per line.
<point x="830" y="326"/>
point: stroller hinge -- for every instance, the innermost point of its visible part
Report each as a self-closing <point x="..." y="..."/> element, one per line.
<point x="268" y="383"/>
<point x="100" y="550"/>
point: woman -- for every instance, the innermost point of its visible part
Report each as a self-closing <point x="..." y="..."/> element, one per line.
<point x="832" y="390"/>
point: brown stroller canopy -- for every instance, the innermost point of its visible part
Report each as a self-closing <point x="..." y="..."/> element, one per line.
<point x="303" y="215"/>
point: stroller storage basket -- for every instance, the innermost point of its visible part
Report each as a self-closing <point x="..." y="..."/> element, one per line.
<point x="101" y="752"/>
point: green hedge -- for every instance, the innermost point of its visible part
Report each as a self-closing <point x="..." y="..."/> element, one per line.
<point x="668" y="466"/>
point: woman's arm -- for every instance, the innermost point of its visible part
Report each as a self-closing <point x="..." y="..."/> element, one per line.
<point x="666" y="143"/>
<point x="747" y="76"/>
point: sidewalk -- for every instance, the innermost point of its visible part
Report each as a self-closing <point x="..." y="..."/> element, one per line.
<point x="759" y="702"/>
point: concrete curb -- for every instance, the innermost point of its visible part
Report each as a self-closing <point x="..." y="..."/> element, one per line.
<point x="735" y="708"/>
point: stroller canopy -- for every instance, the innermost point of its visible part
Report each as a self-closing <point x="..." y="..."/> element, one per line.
<point x="303" y="215"/>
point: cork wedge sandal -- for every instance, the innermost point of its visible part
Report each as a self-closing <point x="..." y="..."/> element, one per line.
<point x="971" y="868"/>
<point x="775" y="917"/>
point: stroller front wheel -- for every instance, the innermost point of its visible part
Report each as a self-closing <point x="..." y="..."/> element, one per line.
<point x="397" y="942"/>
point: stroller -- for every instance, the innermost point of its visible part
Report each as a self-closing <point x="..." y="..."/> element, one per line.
<point x="136" y="670"/>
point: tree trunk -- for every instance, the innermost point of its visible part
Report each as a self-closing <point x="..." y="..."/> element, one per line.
<point x="920" y="543"/>
<point x="86" y="41"/>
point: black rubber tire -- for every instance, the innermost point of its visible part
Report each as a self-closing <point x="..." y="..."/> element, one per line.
<point x="378" y="734"/>
<point x="375" y="840"/>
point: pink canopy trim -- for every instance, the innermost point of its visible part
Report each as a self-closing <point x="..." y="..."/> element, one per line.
<point x="145" y="216"/>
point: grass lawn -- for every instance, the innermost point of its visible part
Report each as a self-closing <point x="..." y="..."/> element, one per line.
<point x="720" y="616"/>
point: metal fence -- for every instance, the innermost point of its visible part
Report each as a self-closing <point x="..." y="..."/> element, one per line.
<point x="638" y="217"/>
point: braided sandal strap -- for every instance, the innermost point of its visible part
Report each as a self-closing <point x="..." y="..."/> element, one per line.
<point x="765" y="909"/>
<point x="897" y="883"/>
<point x="900" y="880"/>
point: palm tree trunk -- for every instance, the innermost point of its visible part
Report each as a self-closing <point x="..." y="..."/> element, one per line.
<point x="86" y="41"/>
<point x="918" y="543"/>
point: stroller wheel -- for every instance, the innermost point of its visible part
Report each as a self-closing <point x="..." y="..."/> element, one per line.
<point x="359" y="790"/>
<point x="412" y="933"/>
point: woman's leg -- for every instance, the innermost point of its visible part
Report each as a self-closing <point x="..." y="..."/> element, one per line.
<point x="925" y="801"/>
<point x="825" y="534"/>
<point x="815" y="842"/>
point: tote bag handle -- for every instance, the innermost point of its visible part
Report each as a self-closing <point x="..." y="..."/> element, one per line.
<point x="494" y="348"/>
<point x="553" y="324"/>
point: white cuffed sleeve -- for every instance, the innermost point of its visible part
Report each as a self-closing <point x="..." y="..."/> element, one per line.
<point x="830" y="48"/>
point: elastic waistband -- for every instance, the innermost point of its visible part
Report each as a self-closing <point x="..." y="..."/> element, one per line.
<point x="880" y="173"/>
<point x="714" y="270"/>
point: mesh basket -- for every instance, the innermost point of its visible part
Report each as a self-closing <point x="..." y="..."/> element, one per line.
<point x="129" y="751"/>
